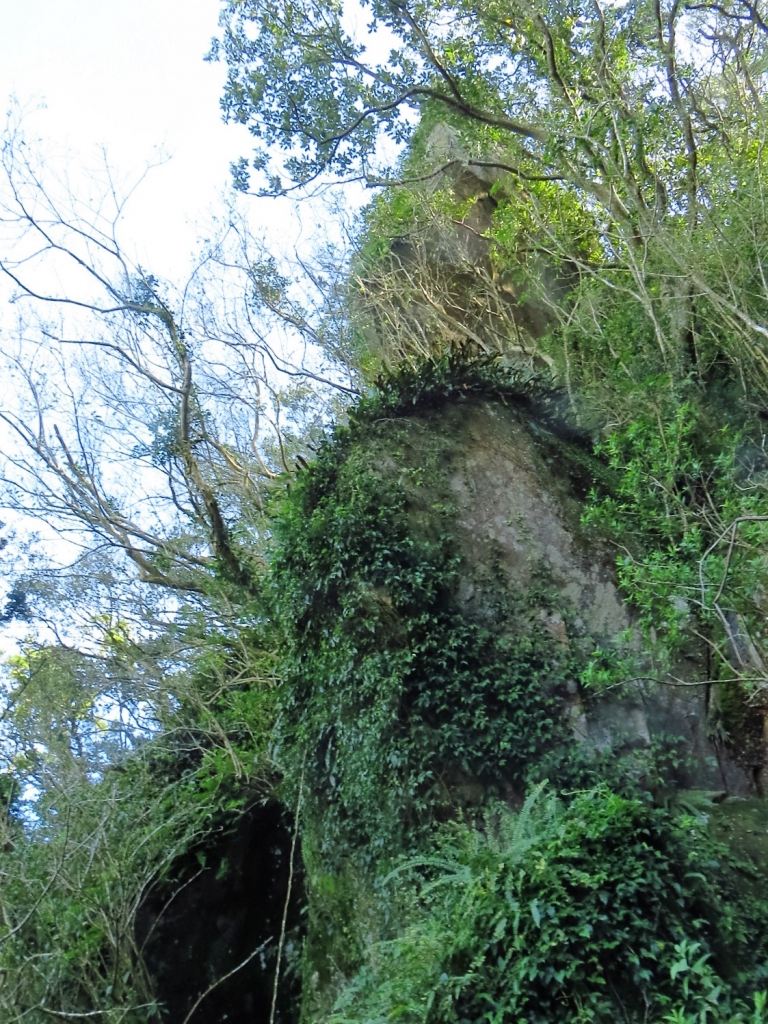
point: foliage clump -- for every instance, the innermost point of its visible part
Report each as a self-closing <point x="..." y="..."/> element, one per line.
<point x="598" y="908"/>
<point x="688" y="512"/>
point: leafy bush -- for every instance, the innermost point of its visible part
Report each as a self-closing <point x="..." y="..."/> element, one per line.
<point x="601" y="909"/>
<point x="687" y="511"/>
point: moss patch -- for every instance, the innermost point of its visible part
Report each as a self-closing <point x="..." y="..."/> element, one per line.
<point x="743" y="826"/>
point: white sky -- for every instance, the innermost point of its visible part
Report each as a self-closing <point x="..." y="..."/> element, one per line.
<point x="129" y="75"/>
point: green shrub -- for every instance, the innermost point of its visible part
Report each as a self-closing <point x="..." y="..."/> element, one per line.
<point x="602" y="909"/>
<point x="686" y="511"/>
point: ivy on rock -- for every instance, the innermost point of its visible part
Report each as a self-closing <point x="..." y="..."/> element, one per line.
<point x="390" y="686"/>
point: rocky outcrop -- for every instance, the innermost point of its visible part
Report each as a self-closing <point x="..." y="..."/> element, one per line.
<point x="516" y="493"/>
<point x="437" y="286"/>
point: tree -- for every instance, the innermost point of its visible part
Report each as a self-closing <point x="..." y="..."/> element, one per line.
<point x="625" y="103"/>
<point x="638" y="113"/>
<point x="184" y="389"/>
<point x="145" y="429"/>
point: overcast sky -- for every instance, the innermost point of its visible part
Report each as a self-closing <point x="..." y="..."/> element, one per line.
<point x="129" y="75"/>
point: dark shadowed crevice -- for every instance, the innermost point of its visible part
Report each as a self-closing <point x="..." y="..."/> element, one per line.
<point x="225" y="907"/>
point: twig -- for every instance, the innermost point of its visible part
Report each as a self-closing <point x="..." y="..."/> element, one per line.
<point x="224" y="978"/>
<point x="165" y="906"/>
<point x="732" y="528"/>
<point x="675" y="681"/>
<point x="90" y="1013"/>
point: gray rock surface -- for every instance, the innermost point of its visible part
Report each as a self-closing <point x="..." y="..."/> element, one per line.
<point x="513" y="491"/>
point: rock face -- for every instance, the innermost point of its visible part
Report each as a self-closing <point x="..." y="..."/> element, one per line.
<point x="516" y="493"/>
<point x="439" y="287"/>
<point x="506" y="488"/>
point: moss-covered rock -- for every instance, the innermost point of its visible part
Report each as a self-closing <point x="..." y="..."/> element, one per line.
<point x="444" y="605"/>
